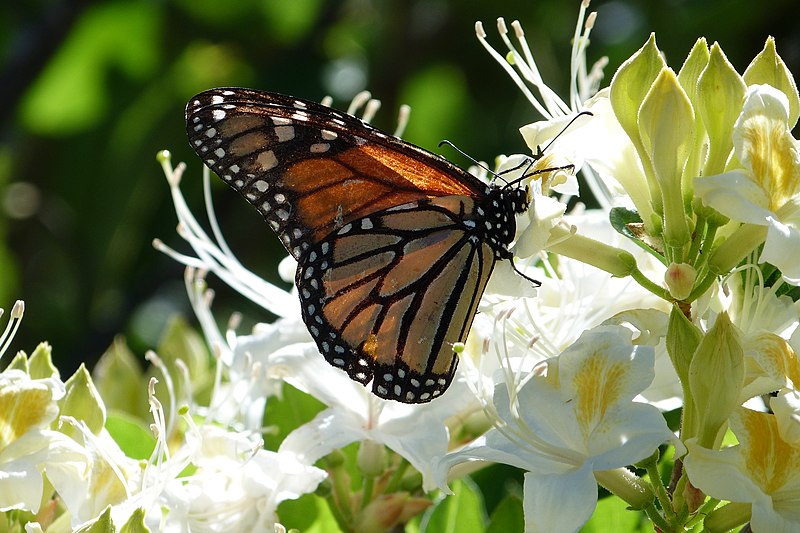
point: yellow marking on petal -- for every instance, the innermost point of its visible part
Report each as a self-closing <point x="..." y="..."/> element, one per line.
<point x="599" y="386"/>
<point x="772" y="153"/>
<point x="21" y="409"/>
<point x="774" y="356"/>
<point x="770" y="461"/>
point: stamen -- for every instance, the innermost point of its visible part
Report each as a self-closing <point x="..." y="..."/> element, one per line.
<point x="371" y="109"/>
<point x="509" y="70"/>
<point x="402" y="120"/>
<point x="14" y="320"/>
<point x="479" y="31"/>
<point x="358" y="100"/>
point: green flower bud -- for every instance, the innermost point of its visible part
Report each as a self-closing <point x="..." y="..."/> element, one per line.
<point x="615" y="261"/>
<point x="40" y="363"/>
<point x="371" y="458"/>
<point x="630" y="84"/>
<point x="716" y="376"/>
<point x="768" y="68"/>
<point x="666" y="126"/>
<point x="720" y="95"/>
<point x="83" y="402"/>
<point x="688" y="75"/>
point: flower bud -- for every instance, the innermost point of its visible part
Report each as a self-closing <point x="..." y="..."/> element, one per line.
<point x="716" y="376"/>
<point x="720" y="94"/>
<point x="768" y="68"/>
<point x="679" y="280"/>
<point x="388" y="510"/>
<point x="371" y="458"/>
<point x="82" y="401"/>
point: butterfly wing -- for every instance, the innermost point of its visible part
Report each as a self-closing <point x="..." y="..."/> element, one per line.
<point x="390" y="265"/>
<point x="386" y="296"/>
<point x="309" y="169"/>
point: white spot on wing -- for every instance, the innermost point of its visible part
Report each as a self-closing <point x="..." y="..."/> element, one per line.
<point x="284" y="133"/>
<point x="267" y="160"/>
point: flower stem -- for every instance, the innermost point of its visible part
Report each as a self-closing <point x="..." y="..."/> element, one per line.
<point x="366" y="490"/>
<point x="658" y="521"/>
<point x="661" y="491"/>
<point x="645" y="282"/>
<point x="396" y="478"/>
<point x="697" y="241"/>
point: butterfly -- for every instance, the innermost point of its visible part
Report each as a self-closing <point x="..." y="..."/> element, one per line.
<point x="394" y="244"/>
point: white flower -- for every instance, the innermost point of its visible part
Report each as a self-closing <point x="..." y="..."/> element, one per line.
<point x="515" y="332"/>
<point x="28" y="448"/>
<point x="564" y="427"/>
<point x="414" y="431"/>
<point x="763" y="470"/>
<point x="236" y="484"/>
<point x="766" y="191"/>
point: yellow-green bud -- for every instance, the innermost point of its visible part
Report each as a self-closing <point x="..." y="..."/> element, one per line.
<point x="371" y="458"/>
<point x="679" y="279"/>
<point x="769" y="69"/>
<point x="83" y="402"/>
<point x="716" y="376"/>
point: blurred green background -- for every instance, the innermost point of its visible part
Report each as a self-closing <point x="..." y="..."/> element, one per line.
<point x="92" y="90"/>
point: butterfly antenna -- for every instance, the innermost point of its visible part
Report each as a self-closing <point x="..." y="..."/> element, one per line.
<point x="465" y="154"/>
<point x="536" y="283"/>
<point x="540" y="151"/>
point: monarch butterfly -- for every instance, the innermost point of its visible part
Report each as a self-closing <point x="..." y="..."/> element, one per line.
<point x="394" y="244"/>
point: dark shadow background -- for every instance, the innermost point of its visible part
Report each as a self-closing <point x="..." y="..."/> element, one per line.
<point x="92" y="90"/>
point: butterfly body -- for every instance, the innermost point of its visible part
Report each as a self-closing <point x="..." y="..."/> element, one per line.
<point x="394" y="244"/>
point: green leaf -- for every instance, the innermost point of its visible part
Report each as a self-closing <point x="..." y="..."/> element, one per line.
<point x="293" y="409"/>
<point x="496" y="482"/>
<point x="508" y="516"/>
<point x="132" y="435"/>
<point x="612" y="514"/>
<point x="72" y="93"/>
<point x="432" y="116"/>
<point x="628" y="223"/>
<point x="309" y="514"/>
<point x="462" y="512"/>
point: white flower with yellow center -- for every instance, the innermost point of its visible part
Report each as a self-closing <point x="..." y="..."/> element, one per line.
<point x="763" y="471"/>
<point x="765" y="191"/>
<point x="573" y="427"/>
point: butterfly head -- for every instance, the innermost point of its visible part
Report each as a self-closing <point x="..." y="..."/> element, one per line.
<point x="519" y="199"/>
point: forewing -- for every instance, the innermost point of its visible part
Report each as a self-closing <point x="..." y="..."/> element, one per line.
<point x="386" y="296"/>
<point x="308" y="169"/>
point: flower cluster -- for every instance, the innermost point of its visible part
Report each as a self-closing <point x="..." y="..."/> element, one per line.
<point x="677" y="295"/>
<point x="698" y="170"/>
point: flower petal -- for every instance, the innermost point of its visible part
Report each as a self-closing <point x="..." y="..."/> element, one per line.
<point x="782" y="248"/>
<point x="559" y="502"/>
<point x="735" y="195"/>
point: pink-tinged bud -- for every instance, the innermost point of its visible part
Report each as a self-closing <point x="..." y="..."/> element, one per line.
<point x="679" y="280"/>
